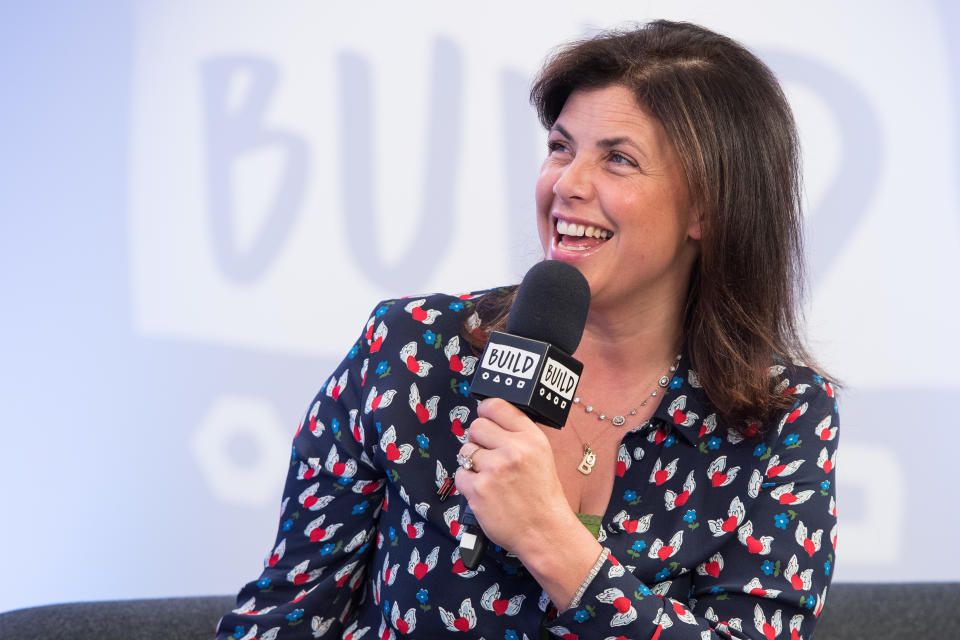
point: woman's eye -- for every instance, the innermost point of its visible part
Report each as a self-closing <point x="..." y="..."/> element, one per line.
<point x="556" y="145"/>
<point x="619" y="158"/>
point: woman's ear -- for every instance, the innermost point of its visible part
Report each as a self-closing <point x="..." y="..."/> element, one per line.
<point x="695" y="228"/>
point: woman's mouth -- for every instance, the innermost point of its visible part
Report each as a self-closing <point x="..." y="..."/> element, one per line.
<point x="579" y="237"/>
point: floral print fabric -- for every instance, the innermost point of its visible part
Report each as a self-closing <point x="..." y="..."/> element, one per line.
<point x="711" y="534"/>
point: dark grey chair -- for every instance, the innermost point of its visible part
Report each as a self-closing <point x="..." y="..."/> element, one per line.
<point x="853" y="612"/>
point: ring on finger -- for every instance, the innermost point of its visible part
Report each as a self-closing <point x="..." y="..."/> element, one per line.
<point x="466" y="461"/>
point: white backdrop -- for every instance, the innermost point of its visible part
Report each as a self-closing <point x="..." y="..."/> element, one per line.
<point x="186" y="187"/>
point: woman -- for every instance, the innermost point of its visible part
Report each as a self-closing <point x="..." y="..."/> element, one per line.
<point x="706" y="508"/>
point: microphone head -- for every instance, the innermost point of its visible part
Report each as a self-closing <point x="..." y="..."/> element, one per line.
<point x="551" y="305"/>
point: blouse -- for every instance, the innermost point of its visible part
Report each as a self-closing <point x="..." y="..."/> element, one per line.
<point x="712" y="534"/>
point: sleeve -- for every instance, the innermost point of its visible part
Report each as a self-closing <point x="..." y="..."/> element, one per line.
<point x="314" y="574"/>
<point x="774" y="572"/>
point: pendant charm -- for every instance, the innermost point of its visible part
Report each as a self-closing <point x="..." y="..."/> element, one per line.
<point x="589" y="459"/>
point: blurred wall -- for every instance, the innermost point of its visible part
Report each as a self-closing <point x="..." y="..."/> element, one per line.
<point x="201" y="202"/>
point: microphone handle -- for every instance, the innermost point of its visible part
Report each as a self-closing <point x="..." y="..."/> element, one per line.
<point x="473" y="541"/>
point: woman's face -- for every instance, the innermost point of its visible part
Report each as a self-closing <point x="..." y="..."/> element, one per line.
<point x="612" y="200"/>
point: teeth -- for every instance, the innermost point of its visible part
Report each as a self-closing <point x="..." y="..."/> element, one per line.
<point x="565" y="228"/>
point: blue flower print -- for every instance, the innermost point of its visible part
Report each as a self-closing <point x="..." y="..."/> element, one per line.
<point x="767" y="567"/>
<point x="294" y="615"/>
<point x="238" y="631"/>
<point x="510" y="635"/>
<point x="639" y="545"/>
<point x="382" y="310"/>
<point x="809" y="603"/>
<point x="714" y="443"/>
<point x="381" y="367"/>
<point x="791" y="439"/>
<point x="826" y="567"/>
<point x="326" y="549"/>
<point x="662" y="574"/>
<point x="780" y="521"/>
<point x="759" y="450"/>
<point x="629" y="495"/>
<point x="335" y="426"/>
<point x="645" y="590"/>
<point x="716" y="589"/>
<point x="392" y="533"/>
<point x="422" y="596"/>
<point x="423" y="441"/>
<point x="429" y="336"/>
<point x="668" y="442"/>
<point x="676" y="382"/>
<point x="456" y="306"/>
<point x="287" y="524"/>
<point x="386" y="607"/>
<point x="360" y="507"/>
<point x="581" y="615"/>
<point x="690" y="515"/>
<point x="263" y="583"/>
<point x="825" y="485"/>
<point x="353" y="352"/>
<point x="464" y="389"/>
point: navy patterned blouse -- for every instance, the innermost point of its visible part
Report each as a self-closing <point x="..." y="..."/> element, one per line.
<point x="712" y="535"/>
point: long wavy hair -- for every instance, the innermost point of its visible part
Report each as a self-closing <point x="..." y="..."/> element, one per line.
<point x="728" y="119"/>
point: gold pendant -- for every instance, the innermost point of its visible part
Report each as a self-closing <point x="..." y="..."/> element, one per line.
<point x="589" y="459"/>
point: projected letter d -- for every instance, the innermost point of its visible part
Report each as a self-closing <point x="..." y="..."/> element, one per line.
<point x="234" y="130"/>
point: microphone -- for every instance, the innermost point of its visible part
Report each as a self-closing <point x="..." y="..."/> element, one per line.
<point x="530" y="365"/>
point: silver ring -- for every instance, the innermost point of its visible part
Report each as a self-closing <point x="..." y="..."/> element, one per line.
<point x="466" y="462"/>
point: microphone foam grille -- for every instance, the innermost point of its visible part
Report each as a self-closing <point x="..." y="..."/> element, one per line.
<point x="551" y="305"/>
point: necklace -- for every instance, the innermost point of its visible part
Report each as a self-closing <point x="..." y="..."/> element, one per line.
<point x="589" y="459"/>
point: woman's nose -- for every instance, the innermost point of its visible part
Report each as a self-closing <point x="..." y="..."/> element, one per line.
<point x="574" y="183"/>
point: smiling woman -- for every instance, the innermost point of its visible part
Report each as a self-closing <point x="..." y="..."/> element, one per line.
<point x="693" y="494"/>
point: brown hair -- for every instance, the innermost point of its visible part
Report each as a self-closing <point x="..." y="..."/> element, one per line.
<point x="732" y="127"/>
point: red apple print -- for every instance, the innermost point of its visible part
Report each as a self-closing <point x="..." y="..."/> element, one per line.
<point x="659" y="436"/>
<point x="317" y="534"/>
<point x="718" y="478"/>
<point x="411" y="531"/>
<point x="370" y="488"/>
<point x="665" y="552"/>
<point x="335" y="393"/>
<point x="273" y="559"/>
<point x="751" y="430"/>
<point x="342" y="581"/>
<point x="376" y="344"/>
<point x="454" y="529"/>
<point x="661" y="476"/>
<point x="729" y="524"/>
<point x="422" y="414"/>
<point x="412" y="364"/>
<point x="630" y="525"/>
<point x="679" y="609"/>
<point x="308" y="474"/>
<point x="570" y="636"/>
<point x="681" y="499"/>
<point x="420" y="570"/>
<point x="622" y="604"/>
<point x="796" y="413"/>
<point x="769" y="632"/>
<point x="775" y="470"/>
<point x="338" y="468"/>
<point x="418" y="314"/>
<point x="827" y="466"/>
<point x="300" y="578"/>
<point x="794" y="634"/>
<point x="356" y="433"/>
<point x="796" y="582"/>
<point x="457" y="427"/>
<point x="376" y="402"/>
<point x="712" y="569"/>
<point x="458" y="565"/>
<point x="613" y="561"/>
<point x="656" y="634"/>
<point x="386" y="634"/>
<point x="499" y="606"/>
<point x="461" y="624"/>
<point x="621" y="468"/>
<point x="313" y="424"/>
<point x="309" y="501"/>
<point x="808" y="547"/>
<point x="402" y="625"/>
<point x="754" y="545"/>
<point x="757" y="591"/>
<point x="455" y="363"/>
<point x="393" y="453"/>
<point x="825" y="434"/>
<point x="788" y="498"/>
<point x="369" y="333"/>
<point x="679" y="417"/>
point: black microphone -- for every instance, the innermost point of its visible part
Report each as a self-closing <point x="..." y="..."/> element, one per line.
<point x="530" y="365"/>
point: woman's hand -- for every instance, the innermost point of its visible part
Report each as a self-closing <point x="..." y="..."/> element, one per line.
<point x="516" y="495"/>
